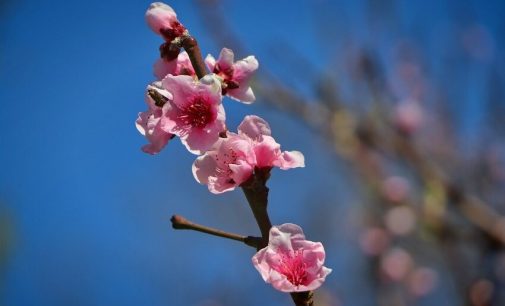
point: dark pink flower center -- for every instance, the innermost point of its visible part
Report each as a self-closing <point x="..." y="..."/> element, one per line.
<point x="176" y="30"/>
<point x="198" y="113"/>
<point x="293" y="267"/>
<point x="227" y="75"/>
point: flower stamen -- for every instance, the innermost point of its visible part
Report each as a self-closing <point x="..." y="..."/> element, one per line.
<point x="197" y="114"/>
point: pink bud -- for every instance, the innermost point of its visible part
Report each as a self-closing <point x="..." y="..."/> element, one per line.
<point x="162" y="19"/>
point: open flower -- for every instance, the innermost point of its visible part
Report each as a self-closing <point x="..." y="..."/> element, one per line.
<point x="148" y="123"/>
<point x="232" y="160"/>
<point x="162" y="19"/>
<point x="180" y="66"/>
<point x="267" y="151"/>
<point x="227" y="165"/>
<point x="195" y="112"/>
<point x="289" y="262"/>
<point x="235" y="75"/>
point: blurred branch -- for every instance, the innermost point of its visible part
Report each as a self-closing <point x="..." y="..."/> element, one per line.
<point x="324" y="121"/>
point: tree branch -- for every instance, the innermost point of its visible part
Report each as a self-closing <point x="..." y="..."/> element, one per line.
<point x="179" y="222"/>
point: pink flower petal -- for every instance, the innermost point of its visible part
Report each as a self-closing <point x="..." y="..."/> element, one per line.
<point x="267" y="152"/>
<point x="254" y="127"/>
<point x="242" y="94"/>
<point x="182" y="88"/>
<point x="210" y="62"/>
<point x="203" y="168"/>
<point x="241" y="171"/>
<point x="198" y="141"/>
<point x="170" y="122"/>
<point x="290" y="159"/>
<point x="180" y="66"/>
<point x="225" y="59"/>
<point x="245" y="68"/>
<point x="148" y="125"/>
<point x="243" y="71"/>
<point x="219" y="185"/>
<point x="163" y="67"/>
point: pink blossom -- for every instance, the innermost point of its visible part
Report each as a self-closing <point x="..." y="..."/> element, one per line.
<point x="162" y="19"/>
<point x="227" y="165"/>
<point x="148" y="123"/>
<point x="289" y="262"/>
<point x="232" y="160"/>
<point x="180" y="66"/>
<point x="235" y="75"/>
<point x="267" y="151"/>
<point x="195" y="112"/>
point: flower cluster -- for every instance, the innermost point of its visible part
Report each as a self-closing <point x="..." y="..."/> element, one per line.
<point x="182" y="104"/>
<point x="233" y="159"/>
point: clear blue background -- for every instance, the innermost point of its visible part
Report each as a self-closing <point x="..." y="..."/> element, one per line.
<point x="88" y="212"/>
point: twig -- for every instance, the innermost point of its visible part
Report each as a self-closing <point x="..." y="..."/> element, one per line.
<point x="179" y="222"/>
<point x="256" y="192"/>
<point x="190" y="44"/>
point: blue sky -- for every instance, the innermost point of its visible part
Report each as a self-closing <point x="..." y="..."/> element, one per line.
<point x="89" y="212"/>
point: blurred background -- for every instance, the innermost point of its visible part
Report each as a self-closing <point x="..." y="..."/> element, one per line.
<point x="398" y="107"/>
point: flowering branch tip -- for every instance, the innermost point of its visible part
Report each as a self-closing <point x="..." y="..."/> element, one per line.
<point x="186" y="101"/>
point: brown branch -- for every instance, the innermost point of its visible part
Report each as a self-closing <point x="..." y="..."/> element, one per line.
<point x="190" y="44"/>
<point x="256" y="192"/>
<point x="179" y="222"/>
<point x="305" y="298"/>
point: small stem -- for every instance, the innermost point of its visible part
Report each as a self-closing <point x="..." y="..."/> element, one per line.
<point x="305" y="298"/>
<point x="179" y="222"/>
<point x="256" y="192"/>
<point x="256" y="198"/>
<point x="190" y="44"/>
